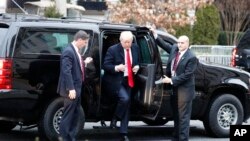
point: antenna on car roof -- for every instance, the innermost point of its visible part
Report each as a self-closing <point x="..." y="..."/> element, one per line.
<point x="19" y="6"/>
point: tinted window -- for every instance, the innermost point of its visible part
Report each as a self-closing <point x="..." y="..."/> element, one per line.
<point x="245" y="41"/>
<point x="164" y="54"/>
<point x="3" y="32"/>
<point x="44" y="41"/>
<point x="145" y="55"/>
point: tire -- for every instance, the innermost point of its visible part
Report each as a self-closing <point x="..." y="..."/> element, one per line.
<point x="49" y="123"/>
<point x="6" y="126"/>
<point x="157" y="122"/>
<point x="224" y="111"/>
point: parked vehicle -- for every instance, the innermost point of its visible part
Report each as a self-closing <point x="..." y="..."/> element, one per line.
<point x="30" y="49"/>
<point x="222" y="97"/>
<point x="241" y="53"/>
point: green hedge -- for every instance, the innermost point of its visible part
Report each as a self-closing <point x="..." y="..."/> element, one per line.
<point x="206" y="28"/>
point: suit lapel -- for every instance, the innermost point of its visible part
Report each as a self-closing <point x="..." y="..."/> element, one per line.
<point x="76" y="56"/>
<point x="121" y="51"/>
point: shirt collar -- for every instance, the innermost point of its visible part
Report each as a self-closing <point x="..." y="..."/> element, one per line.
<point x="182" y="52"/>
<point x="76" y="48"/>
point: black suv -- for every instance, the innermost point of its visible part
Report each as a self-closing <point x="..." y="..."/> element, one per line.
<point x="241" y="53"/>
<point x="29" y="67"/>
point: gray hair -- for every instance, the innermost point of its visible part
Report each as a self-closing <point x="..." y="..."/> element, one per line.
<point x="81" y="35"/>
<point x="126" y="35"/>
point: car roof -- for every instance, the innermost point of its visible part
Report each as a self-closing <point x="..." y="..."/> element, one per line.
<point x="35" y="20"/>
<point x="166" y="36"/>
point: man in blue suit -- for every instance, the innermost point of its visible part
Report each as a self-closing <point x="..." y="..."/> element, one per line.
<point x="181" y="66"/>
<point x="70" y="84"/>
<point x="121" y="63"/>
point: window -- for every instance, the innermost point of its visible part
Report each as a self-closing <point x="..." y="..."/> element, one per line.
<point x="44" y="41"/>
<point x="164" y="55"/>
<point x="2" y="34"/>
<point x="245" y="41"/>
<point x="145" y="55"/>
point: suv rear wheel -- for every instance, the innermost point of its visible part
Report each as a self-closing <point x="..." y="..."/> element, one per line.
<point x="224" y="111"/>
<point x="49" y="123"/>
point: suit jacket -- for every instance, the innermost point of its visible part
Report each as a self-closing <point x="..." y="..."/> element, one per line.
<point x="112" y="80"/>
<point x="184" y="81"/>
<point x="70" y="72"/>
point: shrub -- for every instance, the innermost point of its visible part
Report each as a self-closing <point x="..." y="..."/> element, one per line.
<point x="207" y="27"/>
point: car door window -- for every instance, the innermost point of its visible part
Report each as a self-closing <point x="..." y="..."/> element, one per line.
<point x="145" y="52"/>
<point x="44" y="41"/>
<point x="164" y="54"/>
<point x="3" y="31"/>
<point x="245" y="41"/>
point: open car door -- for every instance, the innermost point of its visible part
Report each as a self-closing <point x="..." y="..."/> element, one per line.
<point x="149" y="95"/>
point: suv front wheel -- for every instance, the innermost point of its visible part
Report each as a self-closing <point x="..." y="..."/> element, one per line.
<point x="49" y="123"/>
<point x="224" y="111"/>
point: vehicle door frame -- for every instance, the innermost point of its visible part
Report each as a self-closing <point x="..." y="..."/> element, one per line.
<point x="147" y="73"/>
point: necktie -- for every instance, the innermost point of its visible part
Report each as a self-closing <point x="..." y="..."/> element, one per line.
<point x="129" y="67"/>
<point x="82" y="65"/>
<point x="176" y="61"/>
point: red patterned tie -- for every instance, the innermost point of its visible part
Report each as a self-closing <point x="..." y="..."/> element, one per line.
<point x="83" y="65"/>
<point x="176" y="61"/>
<point x="130" y="73"/>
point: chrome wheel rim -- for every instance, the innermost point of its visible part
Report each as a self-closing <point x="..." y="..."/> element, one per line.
<point x="57" y="119"/>
<point x="227" y="115"/>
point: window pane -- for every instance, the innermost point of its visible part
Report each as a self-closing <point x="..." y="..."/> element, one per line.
<point x="164" y="55"/>
<point x="144" y="51"/>
<point x="45" y="41"/>
<point x="2" y="34"/>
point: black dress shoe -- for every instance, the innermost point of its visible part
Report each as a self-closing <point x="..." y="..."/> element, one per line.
<point x="124" y="138"/>
<point x="113" y="123"/>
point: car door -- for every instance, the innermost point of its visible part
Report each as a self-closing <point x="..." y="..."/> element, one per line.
<point x="149" y="95"/>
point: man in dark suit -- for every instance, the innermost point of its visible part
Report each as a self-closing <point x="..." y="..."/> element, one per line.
<point x="181" y="66"/>
<point x="120" y="64"/>
<point x="70" y="84"/>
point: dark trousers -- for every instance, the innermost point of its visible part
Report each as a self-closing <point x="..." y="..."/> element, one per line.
<point x="123" y="106"/>
<point x="182" y="113"/>
<point x="69" y="119"/>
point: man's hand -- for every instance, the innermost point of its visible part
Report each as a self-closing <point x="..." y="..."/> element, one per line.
<point x="72" y="94"/>
<point x="120" y="67"/>
<point x="135" y="69"/>
<point x="166" y="79"/>
<point x="88" y="60"/>
<point x="152" y="28"/>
